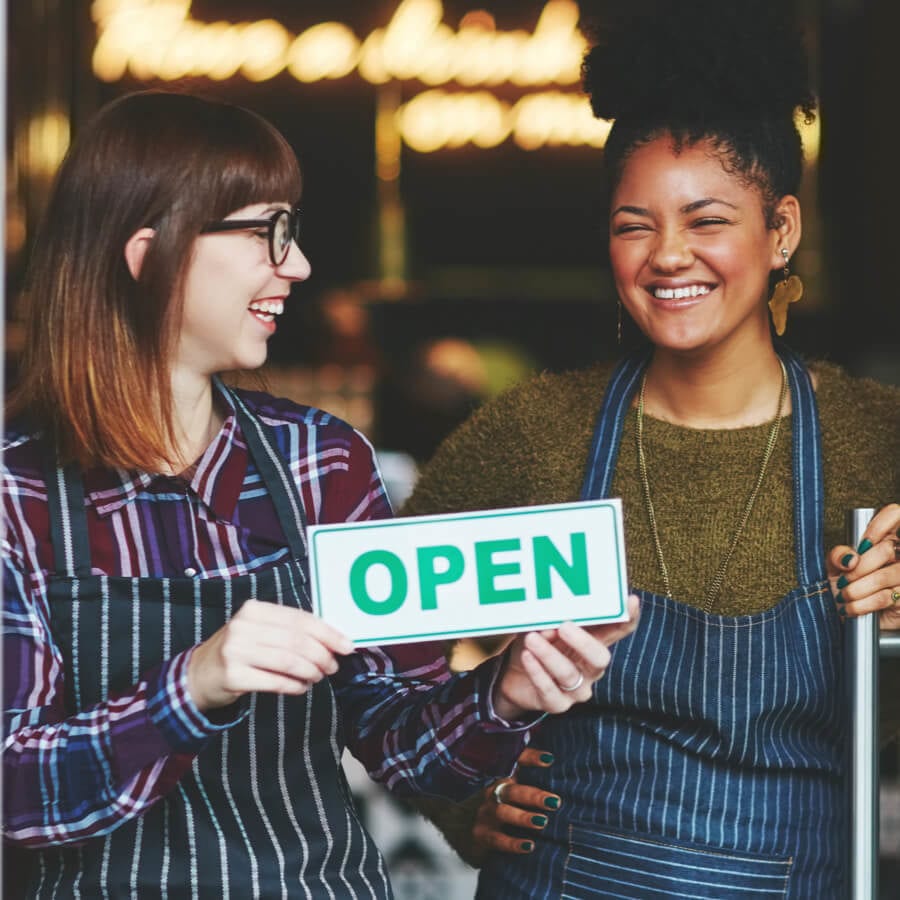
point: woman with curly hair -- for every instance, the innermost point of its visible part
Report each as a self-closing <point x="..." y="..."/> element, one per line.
<point x="709" y="762"/>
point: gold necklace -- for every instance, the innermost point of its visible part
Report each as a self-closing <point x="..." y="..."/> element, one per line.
<point x="716" y="584"/>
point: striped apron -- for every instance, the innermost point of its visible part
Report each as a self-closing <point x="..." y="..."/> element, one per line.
<point x="265" y="810"/>
<point x="709" y="762"/>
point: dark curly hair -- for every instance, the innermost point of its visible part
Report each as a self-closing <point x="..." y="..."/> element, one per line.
<point x="731" y="72"/>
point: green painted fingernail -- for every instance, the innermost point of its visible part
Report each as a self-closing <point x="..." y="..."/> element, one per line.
<point x="842" y="581"/>
<point x="527" y="846"/>
<point x="551" y="802"/>
<point x="864" y="545"/>
<point x="846" y="560"/>
<point x="546" y="758"/>
<point x="540" y="821"/>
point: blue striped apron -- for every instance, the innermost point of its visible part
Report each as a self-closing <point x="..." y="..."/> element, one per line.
<point x="721" y="779"/>
<point x="264" y="811"/>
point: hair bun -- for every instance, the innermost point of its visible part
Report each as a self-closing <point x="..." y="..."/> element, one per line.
<point x="708" y="58"/>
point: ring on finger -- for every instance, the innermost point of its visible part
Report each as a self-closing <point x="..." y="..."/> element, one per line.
<point x="569" y="688"/>
<point x="895" y="596"/>
<point x="497" y="792"/>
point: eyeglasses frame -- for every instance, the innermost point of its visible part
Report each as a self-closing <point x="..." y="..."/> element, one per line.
<point x="293" y="215"/>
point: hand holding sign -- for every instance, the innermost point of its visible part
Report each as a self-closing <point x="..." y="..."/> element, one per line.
<point x="263" y="647"/>
<point x="556" y="572"/>
<point x="464" y="574"/>
<point x="552" y="671"/>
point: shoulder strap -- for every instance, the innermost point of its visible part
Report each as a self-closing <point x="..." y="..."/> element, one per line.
<point x="68" y="522"/>
<point x="809" y="488"/>
<point x="276" y="475"/>
<point x="604" y="452"/>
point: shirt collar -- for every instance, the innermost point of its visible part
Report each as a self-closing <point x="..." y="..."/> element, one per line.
<point x="216" y="480"/>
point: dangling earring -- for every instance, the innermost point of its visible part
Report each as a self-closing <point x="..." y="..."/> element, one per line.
<point x="788" y="290"/>
<point x="619" y="323"/>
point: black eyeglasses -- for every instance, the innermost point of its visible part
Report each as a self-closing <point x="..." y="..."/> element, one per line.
<point x="282" y="228"/>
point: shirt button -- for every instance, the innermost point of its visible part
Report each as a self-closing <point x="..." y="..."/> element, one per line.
<point x="190" y="572"/>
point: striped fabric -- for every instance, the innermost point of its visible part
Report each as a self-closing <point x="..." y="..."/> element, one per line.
<point x="107" y="763"/>
<point x="628" y="868"/>
<point x="710" y="760"/>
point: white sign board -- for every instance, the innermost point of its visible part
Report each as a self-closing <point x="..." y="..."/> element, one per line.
<point x="465" y="574"/>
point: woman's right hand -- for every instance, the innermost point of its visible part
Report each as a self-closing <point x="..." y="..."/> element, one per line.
<point x="264" y="647"/>
<point x="518" y="806"/>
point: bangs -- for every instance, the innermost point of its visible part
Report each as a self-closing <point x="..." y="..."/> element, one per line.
<point x="253" y="167"/>
<point x="200" y="159"/>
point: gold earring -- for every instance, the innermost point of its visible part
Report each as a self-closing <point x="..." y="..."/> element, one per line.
<point x="788" y="290"/>
<point x="619" y="323"/>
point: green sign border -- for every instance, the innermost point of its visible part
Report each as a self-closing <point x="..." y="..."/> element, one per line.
<point x="410" y="521"/>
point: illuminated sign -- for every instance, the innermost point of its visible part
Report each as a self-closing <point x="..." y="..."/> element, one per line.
<point x="149" y="39"/>
<point x="436" y="119"/>
<point x="158" y="39"/>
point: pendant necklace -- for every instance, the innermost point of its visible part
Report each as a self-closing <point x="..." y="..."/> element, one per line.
<point x="715" y="586"/>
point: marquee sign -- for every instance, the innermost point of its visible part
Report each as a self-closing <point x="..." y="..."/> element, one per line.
<point x="158" y="39"/>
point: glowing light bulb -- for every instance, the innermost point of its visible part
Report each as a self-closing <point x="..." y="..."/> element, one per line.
<point x="327" y="50"/>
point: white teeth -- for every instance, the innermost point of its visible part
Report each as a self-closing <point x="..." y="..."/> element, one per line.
<point x="271" y="307"/>
<point x="695" y="290"/>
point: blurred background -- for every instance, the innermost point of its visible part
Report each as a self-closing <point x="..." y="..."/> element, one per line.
<point x="451" y="204"/>
<point x="452" y="210"/>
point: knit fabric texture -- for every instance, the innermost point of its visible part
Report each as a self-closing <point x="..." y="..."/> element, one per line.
<point x="530" y="447"/>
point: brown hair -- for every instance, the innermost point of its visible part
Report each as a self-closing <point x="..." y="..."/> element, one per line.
<point x="94" y="375"/>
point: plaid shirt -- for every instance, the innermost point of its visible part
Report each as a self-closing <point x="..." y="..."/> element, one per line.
<point x="70" y="777"/>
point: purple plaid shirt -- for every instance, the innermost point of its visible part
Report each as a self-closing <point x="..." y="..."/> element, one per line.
<point x="71" y="777"/>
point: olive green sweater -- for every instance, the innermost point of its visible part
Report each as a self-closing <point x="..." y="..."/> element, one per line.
<point x="530" y="447"/>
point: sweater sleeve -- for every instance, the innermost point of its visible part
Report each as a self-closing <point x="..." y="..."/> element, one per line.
<point x="526" y="447"/>
<point x="471" y="468"/>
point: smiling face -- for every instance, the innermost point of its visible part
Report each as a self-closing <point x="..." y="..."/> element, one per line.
<point x="233" y="295"/>
<point x="691" y="252"/>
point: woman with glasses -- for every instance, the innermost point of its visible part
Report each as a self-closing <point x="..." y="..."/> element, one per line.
<point x="174" y="716"/>
<point x="710" y="761"/>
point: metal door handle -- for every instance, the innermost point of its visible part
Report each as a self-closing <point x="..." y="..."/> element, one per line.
<point x="862" y="652"/>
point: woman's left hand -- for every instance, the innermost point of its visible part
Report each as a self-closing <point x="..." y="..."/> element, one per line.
<point x="551" y="671"/>
<point x="866" y="579"/>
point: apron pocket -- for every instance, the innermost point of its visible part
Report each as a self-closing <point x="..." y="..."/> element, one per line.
<point x="608" y="864"/>
<point x="110" y="631"/>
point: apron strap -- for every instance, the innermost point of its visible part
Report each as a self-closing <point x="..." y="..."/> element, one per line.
<point x="809" y="490"/>
<point x="809" y="487"/>
<point x="604" y="452"/>
<point x="275" y="474"/>
<point x="68" y="521"/>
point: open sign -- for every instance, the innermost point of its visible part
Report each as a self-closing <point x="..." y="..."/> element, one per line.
<point x="466" y="574"/>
